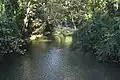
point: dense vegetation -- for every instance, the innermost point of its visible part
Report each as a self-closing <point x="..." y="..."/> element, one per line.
<point x="94" y="24"/>
<point x="10" y="30"/>
<point x="100" y="34"/>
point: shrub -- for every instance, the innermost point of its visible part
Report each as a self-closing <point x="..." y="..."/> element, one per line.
<point x="10" y="40"/>
<point x="100" y="37"/>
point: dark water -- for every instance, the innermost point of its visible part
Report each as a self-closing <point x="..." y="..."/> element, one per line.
<point x="47" y="61"/>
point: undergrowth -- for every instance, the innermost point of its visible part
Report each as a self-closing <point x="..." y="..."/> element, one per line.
<point x="101" y="36"/>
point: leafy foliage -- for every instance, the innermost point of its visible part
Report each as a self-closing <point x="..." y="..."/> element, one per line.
<point x="10" y="42"/>
<point x="10" y="32"/>
<point x="100" y="37"/>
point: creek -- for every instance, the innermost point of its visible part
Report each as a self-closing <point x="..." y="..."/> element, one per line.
<point x="52" y="61"/>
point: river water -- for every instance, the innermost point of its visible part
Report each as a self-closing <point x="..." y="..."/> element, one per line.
<point x="50" y="61"/>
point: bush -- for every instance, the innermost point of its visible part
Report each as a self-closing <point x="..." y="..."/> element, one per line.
<point x="10" y="40"/>
<point x="100" y="37"/>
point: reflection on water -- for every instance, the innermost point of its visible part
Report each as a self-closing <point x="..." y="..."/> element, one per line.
<point x="49" y="61"/>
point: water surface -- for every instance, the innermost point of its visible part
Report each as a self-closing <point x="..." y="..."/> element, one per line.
<point x="49" y="61"/>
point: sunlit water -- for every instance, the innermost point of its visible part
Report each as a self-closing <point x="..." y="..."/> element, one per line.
<point x="49" y="61"/>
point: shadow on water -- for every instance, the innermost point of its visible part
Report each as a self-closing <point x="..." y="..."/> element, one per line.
<point x="51" y="61"/>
